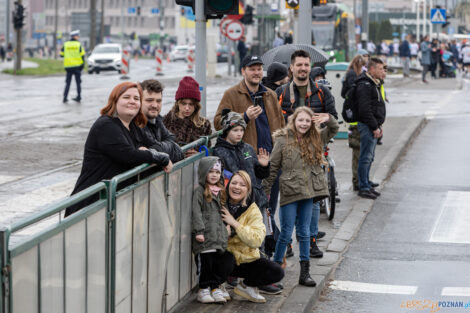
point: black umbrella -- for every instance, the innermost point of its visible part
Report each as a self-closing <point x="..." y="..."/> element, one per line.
<point x="283" y="53"/>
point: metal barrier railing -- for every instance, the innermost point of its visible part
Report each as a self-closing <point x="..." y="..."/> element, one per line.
<point x="129" y="251"/>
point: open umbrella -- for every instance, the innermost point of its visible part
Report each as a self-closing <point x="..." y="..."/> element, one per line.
<point x="283" y="53"/>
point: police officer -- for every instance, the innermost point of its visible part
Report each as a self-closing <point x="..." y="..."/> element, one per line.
<point x="74" y="60"/>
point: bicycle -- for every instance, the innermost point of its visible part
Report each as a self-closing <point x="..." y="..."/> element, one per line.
<point x="328" y="205"/>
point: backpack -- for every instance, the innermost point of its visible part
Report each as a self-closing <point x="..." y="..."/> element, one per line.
<point x="349" y="111"/>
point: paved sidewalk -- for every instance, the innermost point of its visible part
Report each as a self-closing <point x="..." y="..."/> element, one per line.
<point x="10" y="64"/>
<point x="350" y="213"/>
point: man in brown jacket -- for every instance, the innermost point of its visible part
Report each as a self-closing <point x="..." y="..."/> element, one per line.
<point x="257" y="103"/>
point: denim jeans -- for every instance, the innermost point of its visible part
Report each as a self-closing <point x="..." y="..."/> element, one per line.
<point x="297" y="213"/>
<point x="366" y="157"/>
<point x="315" y="219"/>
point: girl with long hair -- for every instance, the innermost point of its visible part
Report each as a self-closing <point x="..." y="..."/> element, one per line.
<point x="298" y="152"/>
<point x="184" y="119"/>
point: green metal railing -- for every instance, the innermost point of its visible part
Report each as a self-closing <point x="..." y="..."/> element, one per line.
<point x="129" y="251"/>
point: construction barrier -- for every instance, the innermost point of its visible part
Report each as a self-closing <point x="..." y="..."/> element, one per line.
<point x="191" y="60"/>
<point x="130" y="251"/>
<point x="159" y="59"/>
<point x="125" y="64"/>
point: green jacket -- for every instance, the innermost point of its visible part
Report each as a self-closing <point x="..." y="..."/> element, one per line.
<point x="206" y="218"/>
<point x="299" y="180"/>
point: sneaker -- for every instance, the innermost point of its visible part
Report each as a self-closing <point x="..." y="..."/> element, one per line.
<point x="270" y="289"/>
<point x="225" y="292"/>
<point x="366" y="194"/>
<point x="375" y="192"/>
<point x="289" y="252"/>
<point x="232" y="282"/>
<point x="321" y="234"/>
<point x="279" y="285"/>
<point x="204" y="296"/>
<point x="218" y="295"/>
<point x="65" y="100"/>
<point x="249" y="293"/>
<point x="77" y="99"/>
<point x="373" y="185"/>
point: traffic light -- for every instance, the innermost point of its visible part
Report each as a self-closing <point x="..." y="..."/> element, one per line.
<point x="247" y="18"/>
<point x="18" y="16"/>
<point x="213" y="9"/>
<point x="138" y="11"/>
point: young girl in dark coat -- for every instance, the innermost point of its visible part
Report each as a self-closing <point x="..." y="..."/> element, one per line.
<point x="115" y="143"/>
<point x="210" y="235"/>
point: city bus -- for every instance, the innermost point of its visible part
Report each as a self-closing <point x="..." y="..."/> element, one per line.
<point x="333" y="30"/>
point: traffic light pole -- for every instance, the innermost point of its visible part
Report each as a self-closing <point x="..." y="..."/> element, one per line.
<point x="305" y="23"/>
<point x="365" y="24"/>
<point x="201" y="53"/>
<point x="19" y="48"/>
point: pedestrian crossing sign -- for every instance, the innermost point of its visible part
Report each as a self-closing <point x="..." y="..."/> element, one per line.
<point x="438" y="16"/>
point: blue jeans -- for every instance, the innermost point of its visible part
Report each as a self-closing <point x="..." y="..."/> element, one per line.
<point x="366" y="156"/>
<point x="297" y="213"/>
<point x="315" y="219"/>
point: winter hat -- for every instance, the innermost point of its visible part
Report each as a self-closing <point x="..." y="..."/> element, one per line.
<point x="188" y="89"/>
<point x="276" y="72"/>
<point x="230" y="120"/>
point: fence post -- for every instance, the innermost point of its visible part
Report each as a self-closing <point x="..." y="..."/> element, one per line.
<point x="110" y="243"/>
<point x="5" y="284"/>
<point x="159" y="59"/>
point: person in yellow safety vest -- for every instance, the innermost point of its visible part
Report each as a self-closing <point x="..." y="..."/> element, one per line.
<point x="74" y="61"/>
<point x="382" y="92"/>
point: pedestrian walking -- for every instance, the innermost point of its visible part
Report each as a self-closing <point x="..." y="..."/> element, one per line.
<point x="247" y="235"/>
<point x="165" y="141"/>
<point x="210" y="235"/>
<point x="115" y="143"/>
<point x="2" y="52"/>
<point x="465" y="56"/>
<point x="242" y="51"/>
<point x="184" y="119"/>
<point x="425" y="57"/>
<point x="405" y="55"/>
<point x="74" y="61"/>
<point x="371" y="116"/>
<point x="304" y="91"/>
<point x="354" y="70"/>
<point x="298" y="153"/>
<point x="278" y="41"/>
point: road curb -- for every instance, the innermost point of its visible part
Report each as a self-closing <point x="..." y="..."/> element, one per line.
<point x="302" y="299"/>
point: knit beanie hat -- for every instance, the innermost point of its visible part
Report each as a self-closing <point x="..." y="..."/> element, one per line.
<point x="230" y="120"/>
<point x="188" y="89"/>
<point x="276" y="72"/>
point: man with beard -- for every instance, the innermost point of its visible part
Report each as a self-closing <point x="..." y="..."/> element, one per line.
<point x="304" y="91"/>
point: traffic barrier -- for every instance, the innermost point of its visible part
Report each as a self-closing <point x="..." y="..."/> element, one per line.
<point x="115" y="255"/>
<point x="159" y="59"/>
<point x="125" y="64"/>
<point x="191" y="60"/>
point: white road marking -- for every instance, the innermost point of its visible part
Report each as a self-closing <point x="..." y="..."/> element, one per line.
<point x="373" y="288"/>
<point x="456" y="291"/>
<point x="452" y="224"/>
<point x="5" y="179"/>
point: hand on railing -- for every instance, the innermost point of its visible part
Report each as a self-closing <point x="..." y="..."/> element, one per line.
<point x="189" y="153"/>
<point x="168" y="168"/>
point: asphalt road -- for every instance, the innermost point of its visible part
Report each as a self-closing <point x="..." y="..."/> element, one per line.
<point x="414" y="245"/>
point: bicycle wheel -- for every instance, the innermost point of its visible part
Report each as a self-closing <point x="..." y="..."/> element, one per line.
<point x="331" y="200"/>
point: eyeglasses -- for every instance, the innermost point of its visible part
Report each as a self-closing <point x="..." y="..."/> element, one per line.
<point x="385" y="68"/>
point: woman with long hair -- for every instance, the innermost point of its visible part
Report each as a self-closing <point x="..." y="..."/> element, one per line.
<point x="115" y="142"/>
<point x="247" y="233"/>
<point x="184" y="119"/>
<point x="298" y="152"/>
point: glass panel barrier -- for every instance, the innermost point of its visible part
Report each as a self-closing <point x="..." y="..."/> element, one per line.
<point x="52" y="274"/>
<point x="96" y="281"/>
<point x="75" y="268"/>
<point x="25" y="281"/>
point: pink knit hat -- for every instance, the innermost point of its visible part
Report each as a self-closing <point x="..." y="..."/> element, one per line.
<point x="188" y="89"/>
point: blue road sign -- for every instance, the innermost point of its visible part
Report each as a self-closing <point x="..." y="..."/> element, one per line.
<point x="155" y="11"/>
<point x="438" y="16"/>
<point x="131" y="10"/>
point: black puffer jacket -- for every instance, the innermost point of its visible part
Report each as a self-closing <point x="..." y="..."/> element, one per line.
<point x="349" y="80"/>
<point x="371" y="106"/>
<point x="319" y="101"/>
<point x="242" y="156"/>
<point x="164" y="140"/>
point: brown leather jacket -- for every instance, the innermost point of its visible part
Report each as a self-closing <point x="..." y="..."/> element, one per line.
<point x="238" y="99"/>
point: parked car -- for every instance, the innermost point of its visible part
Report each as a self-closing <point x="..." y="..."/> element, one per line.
<point x="223" y="53"/>
<point x="179" y="53"/>
<point x="105" y="57"/>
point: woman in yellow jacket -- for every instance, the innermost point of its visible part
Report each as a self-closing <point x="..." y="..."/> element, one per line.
<point x="247" y="235"/>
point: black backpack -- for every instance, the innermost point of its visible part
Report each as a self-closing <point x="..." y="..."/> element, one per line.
<point x="350" y="112"/>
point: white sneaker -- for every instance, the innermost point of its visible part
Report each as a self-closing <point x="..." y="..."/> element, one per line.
<point x="218" y="295"/>
<point x="225" y="292"/>
<point x="204" y="296"/>
<point x="250" y="293"/>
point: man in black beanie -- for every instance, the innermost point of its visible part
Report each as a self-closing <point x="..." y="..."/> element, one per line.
<point x="277" y="76"/>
